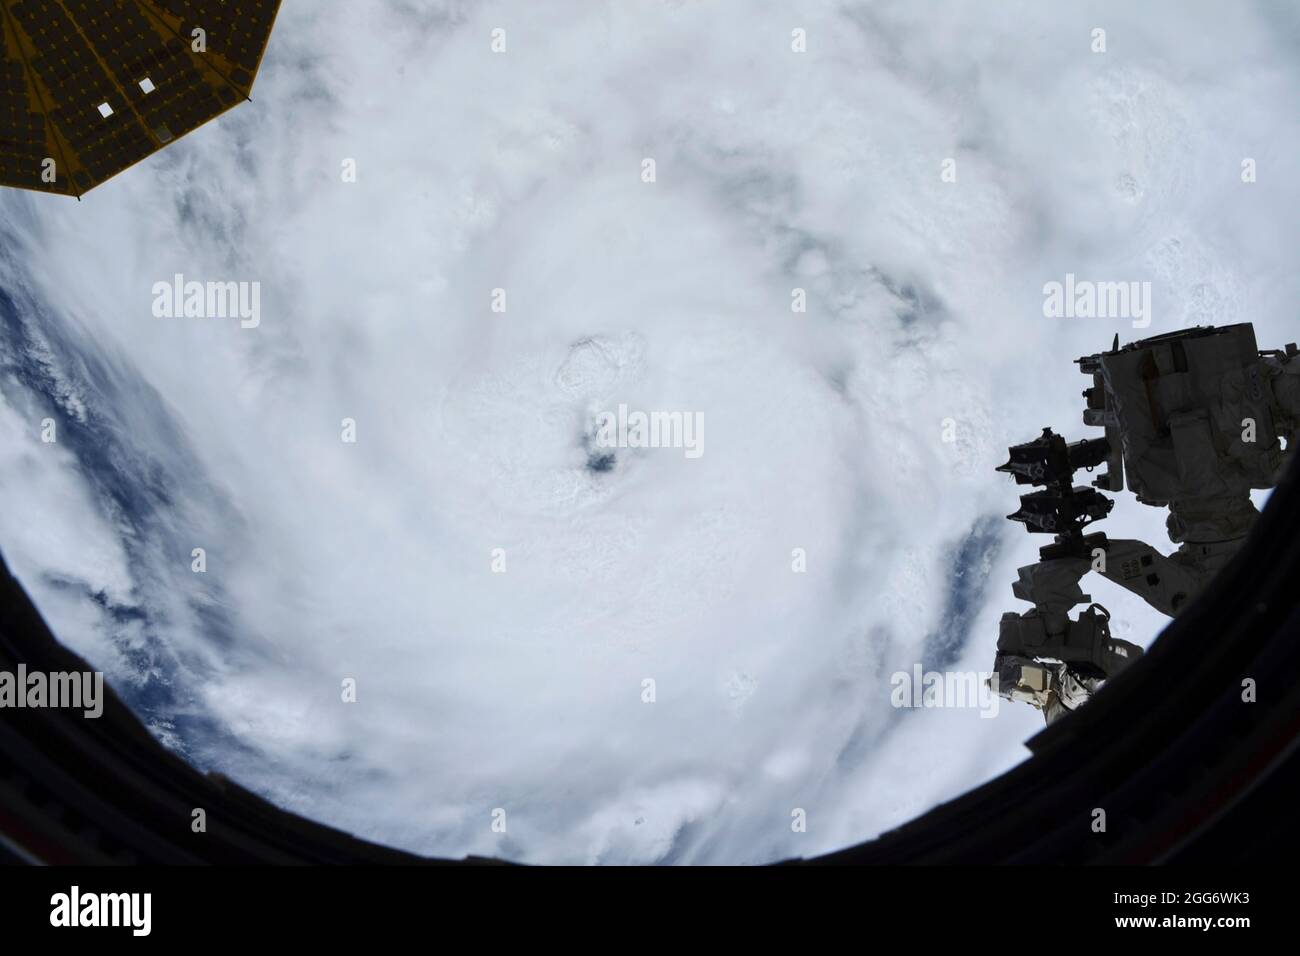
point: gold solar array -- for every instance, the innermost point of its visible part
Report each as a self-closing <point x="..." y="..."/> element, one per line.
<point x="91" y="87"/>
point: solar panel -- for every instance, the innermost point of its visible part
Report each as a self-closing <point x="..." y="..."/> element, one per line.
<point x="89" y="88"/>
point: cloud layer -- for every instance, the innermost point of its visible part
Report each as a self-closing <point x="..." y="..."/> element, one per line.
<point x="824" y="430"/>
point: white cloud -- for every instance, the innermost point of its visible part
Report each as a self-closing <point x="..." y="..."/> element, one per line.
<point x="521" y="171"/>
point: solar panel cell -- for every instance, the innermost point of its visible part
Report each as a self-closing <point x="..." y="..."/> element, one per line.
<point x="91" y="87"/>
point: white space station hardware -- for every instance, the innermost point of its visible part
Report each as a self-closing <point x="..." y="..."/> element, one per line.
<point x="1194" y="420"/>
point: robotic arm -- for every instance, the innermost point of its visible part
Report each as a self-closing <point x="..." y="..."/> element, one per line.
<point x="1195" y="420"/>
